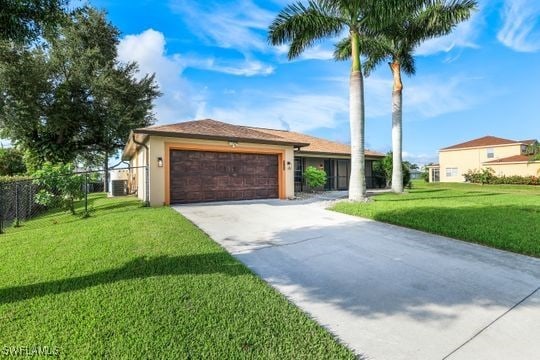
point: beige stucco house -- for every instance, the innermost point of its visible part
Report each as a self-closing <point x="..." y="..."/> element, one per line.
<point x="504" y="156"/>
<point x="209" y="160"/>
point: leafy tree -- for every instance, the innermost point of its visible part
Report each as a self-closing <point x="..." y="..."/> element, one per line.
<point x="70" y="97"/>
<point x="385" y="167"/>
<point x="303" y="25"/>
<point x="59" y="186"/>
<point x="396" y="42"/>
<point x="11" y="162"/>
<point x="533" y="150"/>
<point x="315" y="177"/>
<point x="25" y="20"/>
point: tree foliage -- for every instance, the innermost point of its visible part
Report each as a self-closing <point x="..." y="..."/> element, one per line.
<point x="384" y="168"/>
<point x="11" y="162"/>
<point x="59" y="186"/>
<point x="69" y="96"/>
<point x="22" y="21"/>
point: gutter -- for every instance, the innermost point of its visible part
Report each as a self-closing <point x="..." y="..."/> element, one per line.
<point x="147" y="172"/>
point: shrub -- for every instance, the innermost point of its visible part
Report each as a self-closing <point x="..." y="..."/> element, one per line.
<point x="487" y="176"/>
<point x="59" y="186"/>
<point x="11" y="162"/>
<point x="315" y="177"/>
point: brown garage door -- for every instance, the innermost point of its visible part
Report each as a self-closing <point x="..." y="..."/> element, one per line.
<point x="216" y="176"/>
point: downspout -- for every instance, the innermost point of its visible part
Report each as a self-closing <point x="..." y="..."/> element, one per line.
<point x="147" y="172"/>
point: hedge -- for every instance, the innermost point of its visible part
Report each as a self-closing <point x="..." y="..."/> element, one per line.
<point x="487" y="176"/>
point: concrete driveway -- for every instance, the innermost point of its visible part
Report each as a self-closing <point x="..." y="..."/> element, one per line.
<point x="385" y="291"/>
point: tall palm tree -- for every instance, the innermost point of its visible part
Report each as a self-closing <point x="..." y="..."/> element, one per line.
<point x="303" y="24"/>
<point x="396" y="43"/>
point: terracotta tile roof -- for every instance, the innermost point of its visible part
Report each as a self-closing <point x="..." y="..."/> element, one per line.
<point x="316" y="145"/>
<point x="510" y="159"/>
<point x="484" y="141"/>
<point x="212" y="129"/>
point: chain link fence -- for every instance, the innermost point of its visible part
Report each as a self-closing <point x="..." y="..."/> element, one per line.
<point x="23" y="199"/>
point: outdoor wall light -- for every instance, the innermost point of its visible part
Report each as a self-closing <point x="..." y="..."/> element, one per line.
<point x="160" y="161"/>
<point x="233" y="144"/>
<point x="289" y="165"/>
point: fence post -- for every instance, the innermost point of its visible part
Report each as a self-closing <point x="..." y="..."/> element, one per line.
<point x="86" y="194"/>
<point x="17" y="220"/>
<point x="1" y="208"/>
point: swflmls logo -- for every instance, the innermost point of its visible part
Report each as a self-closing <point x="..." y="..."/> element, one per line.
<point x="36" y="350"/>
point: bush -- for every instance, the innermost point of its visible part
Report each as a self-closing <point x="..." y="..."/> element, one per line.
<point x="487" y="176"/>
<point x="383" y="168"/>
<point x="11" y="162"/>
<point x="59" y="186"/>
<point x="315" y="177"/>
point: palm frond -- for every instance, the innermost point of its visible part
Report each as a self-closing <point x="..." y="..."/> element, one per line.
<point x="302" y="25"/>
<point x="441" y="17"/>
<point x="407" y="63"/>
<point x="375" y="49"/>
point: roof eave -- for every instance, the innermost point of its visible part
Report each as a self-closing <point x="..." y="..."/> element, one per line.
<point x="131" y="147"/>
<point x="218" y="137"/>
<point x="321" y="153"/>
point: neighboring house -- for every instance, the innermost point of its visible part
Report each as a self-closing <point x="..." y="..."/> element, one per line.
<point x="415" y="174"/>
<point x="208" y="160"/>
<point x="504" y="156"/>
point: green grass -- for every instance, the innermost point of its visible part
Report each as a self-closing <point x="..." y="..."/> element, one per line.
<point x="502" y="216"/>
<point x="132" y="282"/>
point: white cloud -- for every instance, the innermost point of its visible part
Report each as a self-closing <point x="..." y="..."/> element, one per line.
<point x="148" y="50"/>
<point x="179" y="100"/>
<point x="429" y="97"/>
<point x="318" y="52"/>
<point x="301" y="112"/>
<point x="521" y="27"/>
<point x="463" y="36"/>
<point x="240" y="25"/>
<point x="246" y="67"/>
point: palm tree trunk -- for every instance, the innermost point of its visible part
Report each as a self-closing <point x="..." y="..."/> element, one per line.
<point x="357" y="183"/>
<point x="397" y="132"/>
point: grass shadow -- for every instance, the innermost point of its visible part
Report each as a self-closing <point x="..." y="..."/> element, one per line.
<point x="412" y="198"/>
<point x="138" y="268"/>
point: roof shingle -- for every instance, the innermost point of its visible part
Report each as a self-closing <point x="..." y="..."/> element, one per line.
<point x="316" y="145"/>
<point x="485" y="141"/>
<point x="510" y="159"/>
<point x="212" y="129"/>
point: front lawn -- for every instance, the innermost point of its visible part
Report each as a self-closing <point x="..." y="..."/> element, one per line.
<point x="502" y="216"/>
<point x="133" y="282"/>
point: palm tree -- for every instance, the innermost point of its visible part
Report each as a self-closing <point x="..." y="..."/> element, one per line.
<point x="302" y="25"/>
<point x="397" y="42"/>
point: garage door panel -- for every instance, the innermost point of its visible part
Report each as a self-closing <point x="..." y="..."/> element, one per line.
<point x="215" y="176"/>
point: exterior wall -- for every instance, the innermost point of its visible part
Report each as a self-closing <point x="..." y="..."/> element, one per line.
<point x="158" y="175"/>
<point x="470" y="159"/>
<point x="521" y="169"/>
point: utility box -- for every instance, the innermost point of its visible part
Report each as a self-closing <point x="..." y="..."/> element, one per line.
<point x="119" y="183"/>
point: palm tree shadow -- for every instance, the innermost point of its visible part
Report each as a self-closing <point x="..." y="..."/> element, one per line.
<point x="138" y="268"/>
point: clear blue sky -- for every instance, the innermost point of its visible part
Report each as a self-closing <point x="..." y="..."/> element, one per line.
<point x="212" y="60"/>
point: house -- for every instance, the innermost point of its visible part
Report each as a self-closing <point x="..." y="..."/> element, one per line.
<point x="209" y="160"/>
<point x="506" y="157"/>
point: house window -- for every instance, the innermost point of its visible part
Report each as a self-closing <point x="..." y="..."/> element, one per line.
<point x="451" y="172"/>
<point x="490" y="153"/>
